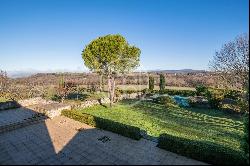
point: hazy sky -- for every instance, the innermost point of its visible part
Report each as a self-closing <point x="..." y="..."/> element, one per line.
<point x="172" y="34"/>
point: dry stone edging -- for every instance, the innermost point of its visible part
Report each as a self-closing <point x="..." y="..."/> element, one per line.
<point x="48" y="107"/>
<point x="35" y="101"/>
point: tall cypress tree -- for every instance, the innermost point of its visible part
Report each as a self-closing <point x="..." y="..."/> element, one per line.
<point x="151" y="83"/>
<point x="162" y="82"/>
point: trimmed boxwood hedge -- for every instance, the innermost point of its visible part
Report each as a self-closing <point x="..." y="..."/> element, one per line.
<point x="204" y="151"/>
<point x="106" y="124"/>
<point x="178" y="92"/>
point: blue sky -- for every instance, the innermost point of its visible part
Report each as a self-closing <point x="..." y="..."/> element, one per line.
<point x="172" y="34"/>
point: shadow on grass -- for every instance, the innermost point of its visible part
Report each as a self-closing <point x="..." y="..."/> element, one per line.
<point x="100" y="102"/>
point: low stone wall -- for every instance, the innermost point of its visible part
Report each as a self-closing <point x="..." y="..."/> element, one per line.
<point x="52" y="108"/>
<point x="35" y="101"/>
<point x="130" y="96"/>
<point x="90" y="103"/>
<point x="106" y="100"/>
<point x="9" y="105"/>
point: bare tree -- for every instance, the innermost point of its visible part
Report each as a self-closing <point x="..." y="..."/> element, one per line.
<point x="3" y="81"/>
<point x="232" y="62"/>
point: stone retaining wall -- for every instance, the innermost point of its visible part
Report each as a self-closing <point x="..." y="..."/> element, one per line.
<point x="106" y="100"/>
<point x="52" y="108"/>
<point x="35" y="101"/>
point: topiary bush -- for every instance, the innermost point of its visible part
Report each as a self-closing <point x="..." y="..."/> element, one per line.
<point x="201" y="150"/>
<point x="165" y="100"/>
<point x="173" y="92"/>
<point x="106" y="124"/>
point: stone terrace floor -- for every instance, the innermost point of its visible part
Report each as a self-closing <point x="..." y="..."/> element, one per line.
<point x="64" y="141"/>
<point x="15" y="115"/>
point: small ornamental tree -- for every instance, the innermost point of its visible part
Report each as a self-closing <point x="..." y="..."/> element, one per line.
<point x="3" y="83"/>
<point x="151" y="83"/>
<point x="162" y="82"/>
<point x="110" y="56"/>
<point x="64" y="88"/>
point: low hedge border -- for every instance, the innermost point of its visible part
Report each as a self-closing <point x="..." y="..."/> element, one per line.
<point x="106" y="124"/>
<point x="203" y="151"/>
<point x="178" y="92"/>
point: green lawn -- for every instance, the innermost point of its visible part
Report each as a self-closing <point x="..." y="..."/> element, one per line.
<point x="195" y="124"/>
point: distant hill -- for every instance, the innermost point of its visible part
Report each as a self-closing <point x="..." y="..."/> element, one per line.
<point x="22" y="74"/>
<point x="27" y="73"/>
<point x="19" y="74"/>
<point x="179" y="71"/>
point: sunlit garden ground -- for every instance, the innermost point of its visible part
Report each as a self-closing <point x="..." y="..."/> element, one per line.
<point x="208" y="125"/>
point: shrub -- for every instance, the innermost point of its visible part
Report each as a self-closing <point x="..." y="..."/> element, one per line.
<point x="178" y="92"/>
<point x="201" y="150"/>
<point x="145" y="91"/>
<point x="229" y="93"/>
<point x="201" y="90"/>
<point x="162" y="82"/>
<point x="50" y="93"/>
<point x="214" y="98"/>
<point x="232" y="94"/>
<point x="165" y="100"/>
<point x="128" y="91"/>
<point x="118" y="93"/>
<point x="116" y="127"/>
<point x="151" y="83"/>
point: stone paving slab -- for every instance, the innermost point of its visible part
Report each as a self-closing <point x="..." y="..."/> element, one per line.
<point x="64" y="141"/>
<point x="15" y="115"/>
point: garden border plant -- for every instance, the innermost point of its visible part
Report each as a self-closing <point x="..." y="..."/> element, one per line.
<point x="203" y="151"/>
<point x="116" y="127"/>
<point x="184" y="93"/>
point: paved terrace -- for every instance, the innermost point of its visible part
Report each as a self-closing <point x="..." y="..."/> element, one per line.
<point x="64" y="141"/>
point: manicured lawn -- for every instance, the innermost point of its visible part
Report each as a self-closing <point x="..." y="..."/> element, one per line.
<point x="195" y="124"/>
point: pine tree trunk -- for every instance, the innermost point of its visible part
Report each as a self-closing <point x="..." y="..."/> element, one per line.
<point x="101" y="83"/>
<point x="111" y="88"/>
